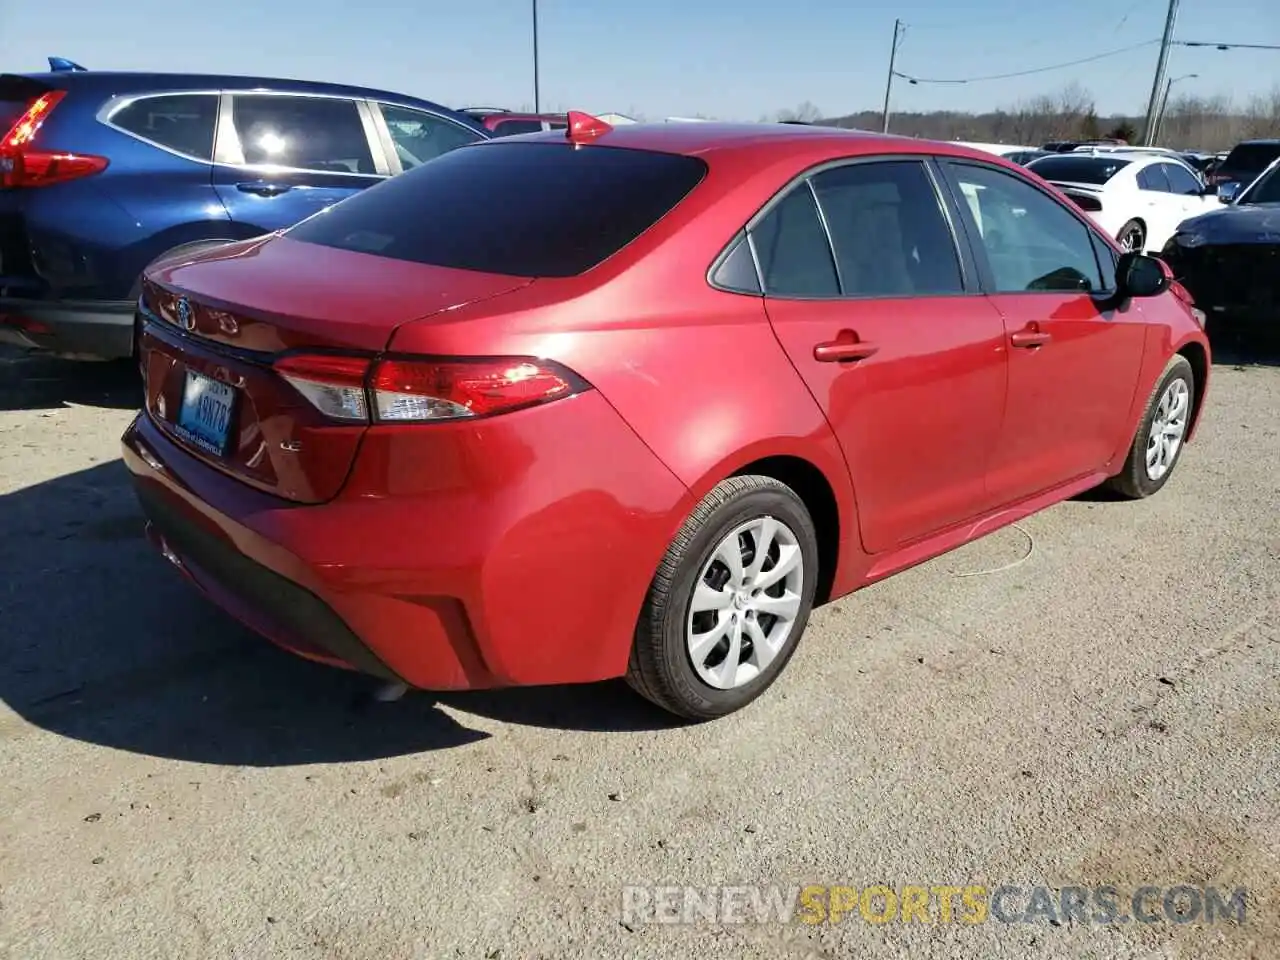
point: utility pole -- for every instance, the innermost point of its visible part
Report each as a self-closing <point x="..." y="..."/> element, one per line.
<point x="888" y="84"/>
<point x="536" y="104"/>
<point x="1162" y="65"/>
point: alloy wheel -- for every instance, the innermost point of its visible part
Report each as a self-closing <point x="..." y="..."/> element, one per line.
<point x="1168" y="427"/>
<point x="745" y="603"/>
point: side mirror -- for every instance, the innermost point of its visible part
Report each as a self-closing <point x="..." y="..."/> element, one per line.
<point x="1227" y="192"/>
<point x="1138" y="275"/>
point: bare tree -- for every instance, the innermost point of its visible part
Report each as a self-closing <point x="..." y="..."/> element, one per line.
<point x="805" y="113"/>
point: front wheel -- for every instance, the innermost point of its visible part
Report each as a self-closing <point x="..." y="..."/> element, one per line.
<point x="729" y="601"/>
<point x="1132" y="238"/>
<point x="1158" y="444"/>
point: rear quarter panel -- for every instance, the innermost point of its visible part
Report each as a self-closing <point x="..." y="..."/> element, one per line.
<point x="93" y="237"/>
<point x="695" y="372"/>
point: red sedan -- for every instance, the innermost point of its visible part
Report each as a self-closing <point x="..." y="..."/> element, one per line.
<point x="631" y="402"/>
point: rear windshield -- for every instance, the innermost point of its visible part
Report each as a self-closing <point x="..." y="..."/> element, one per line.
<point x="1251" y="157"/>
<point x="522" y="209"/>
<point x="1078" y="169"/>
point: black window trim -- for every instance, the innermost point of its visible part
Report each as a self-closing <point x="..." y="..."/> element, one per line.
<point x="114" y="105"/>
<point x="970" y="276"/>
<point x="228" y="151"/>
<point x="947" y="166"/>
<point x="383" y="131"/>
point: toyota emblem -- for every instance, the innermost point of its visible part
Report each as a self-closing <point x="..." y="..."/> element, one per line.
<point x="186" y="319"/>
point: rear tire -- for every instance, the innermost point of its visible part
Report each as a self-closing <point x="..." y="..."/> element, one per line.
<point x="1132" y="237"/>
<point x="1162" y="432"/>
<point x="700" y="607"/>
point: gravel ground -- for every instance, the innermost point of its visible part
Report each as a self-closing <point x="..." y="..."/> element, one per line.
<point x="1106" y="711"/>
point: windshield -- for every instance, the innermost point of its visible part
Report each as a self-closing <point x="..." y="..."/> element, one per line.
<point x="1251" y="157"/>
<point x="521" y="209"/>
<point x="1070" y="169"/>
<point x="1266" y="189"/>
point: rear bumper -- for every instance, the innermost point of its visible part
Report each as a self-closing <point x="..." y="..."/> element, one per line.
<point x="451" y="578"/>
<point x="77" y="329"/>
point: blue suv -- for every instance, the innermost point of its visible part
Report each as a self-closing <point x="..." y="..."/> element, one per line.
<point x="102" y="173"/>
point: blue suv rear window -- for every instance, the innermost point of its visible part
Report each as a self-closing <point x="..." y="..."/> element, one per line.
<point x="521" y="209"/>
<point x="182" y="122"/>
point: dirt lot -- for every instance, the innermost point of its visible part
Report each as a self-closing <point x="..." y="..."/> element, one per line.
<point x="1105" y="712"/>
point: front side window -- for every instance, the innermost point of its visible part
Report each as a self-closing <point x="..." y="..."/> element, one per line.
<point x="182" y="122"/>
<point x="792" y="249"/>
<point x="1031" y="241"/>
<point x="419" y="136"/>
<point x="308" y="133"/>
<point x="888" y="229"/>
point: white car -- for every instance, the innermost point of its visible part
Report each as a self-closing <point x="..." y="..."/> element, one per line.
<point x="1137" y="197"/>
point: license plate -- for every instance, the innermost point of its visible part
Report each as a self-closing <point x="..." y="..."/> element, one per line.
<point x="204" y="419"/>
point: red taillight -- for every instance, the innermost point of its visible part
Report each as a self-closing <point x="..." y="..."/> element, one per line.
<point x="449" y="389"/>
<point x="333" y="383"/>
<point x="416" y="390"/>
<point x="23" y="166"/>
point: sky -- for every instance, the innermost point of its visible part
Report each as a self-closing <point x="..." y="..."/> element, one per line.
<point x="727" y="59"/>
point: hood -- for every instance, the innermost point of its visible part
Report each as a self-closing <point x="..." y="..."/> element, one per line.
<point x="1249" y="223"/>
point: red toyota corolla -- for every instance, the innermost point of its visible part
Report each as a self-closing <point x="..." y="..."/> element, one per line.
<point x="630" y="402"/>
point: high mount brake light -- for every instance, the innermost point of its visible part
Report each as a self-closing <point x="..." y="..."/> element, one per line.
<point x="23" y="166"/>
<point x="357" y="389"/>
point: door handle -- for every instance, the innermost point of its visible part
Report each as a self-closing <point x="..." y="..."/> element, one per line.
<point x="264" y="188"/>
<point x="1029" y="338"/>
<point x="843" y="349"/>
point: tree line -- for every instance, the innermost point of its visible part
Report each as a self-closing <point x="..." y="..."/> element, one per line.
<point x="1190" y="122"/>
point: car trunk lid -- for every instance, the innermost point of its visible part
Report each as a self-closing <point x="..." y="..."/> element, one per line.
<point x="216" y="322"/>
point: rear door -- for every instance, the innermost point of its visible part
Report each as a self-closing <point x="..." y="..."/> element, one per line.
<point x="1074" y="357"/>
<point x="282" y="157"/>
<point x="1161" y="208"/>
<point x="879" y="311"/>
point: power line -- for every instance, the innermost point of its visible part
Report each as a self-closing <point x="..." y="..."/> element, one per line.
<point x="1026" y="73"/>
<point x="1227" y="46"/>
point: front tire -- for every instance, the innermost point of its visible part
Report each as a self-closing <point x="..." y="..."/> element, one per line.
<point x="1161" y="435"/>
<point x="729" y="602"/>
<point x="1132" y="237"/>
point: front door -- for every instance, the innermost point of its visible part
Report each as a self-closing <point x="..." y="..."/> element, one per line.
<point x="282" y="157"/>
<point x="1074" y="356"/>
<point x="900" y="350"/>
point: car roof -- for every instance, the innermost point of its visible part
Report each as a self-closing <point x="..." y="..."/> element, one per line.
<point x="127" y="82"/>
<point x="800" y="141"/>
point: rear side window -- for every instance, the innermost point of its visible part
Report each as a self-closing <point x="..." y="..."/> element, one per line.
<point x="510" y="128"/>
<point x="792" y="249"/>
<point x="308" y="133"/>
<point x="1251" y="157"/>
<point x="181" y="122"/>
<point x="1153" y="178"/>
<point x="10" y="111"/>
<point x="522" y="209"/>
